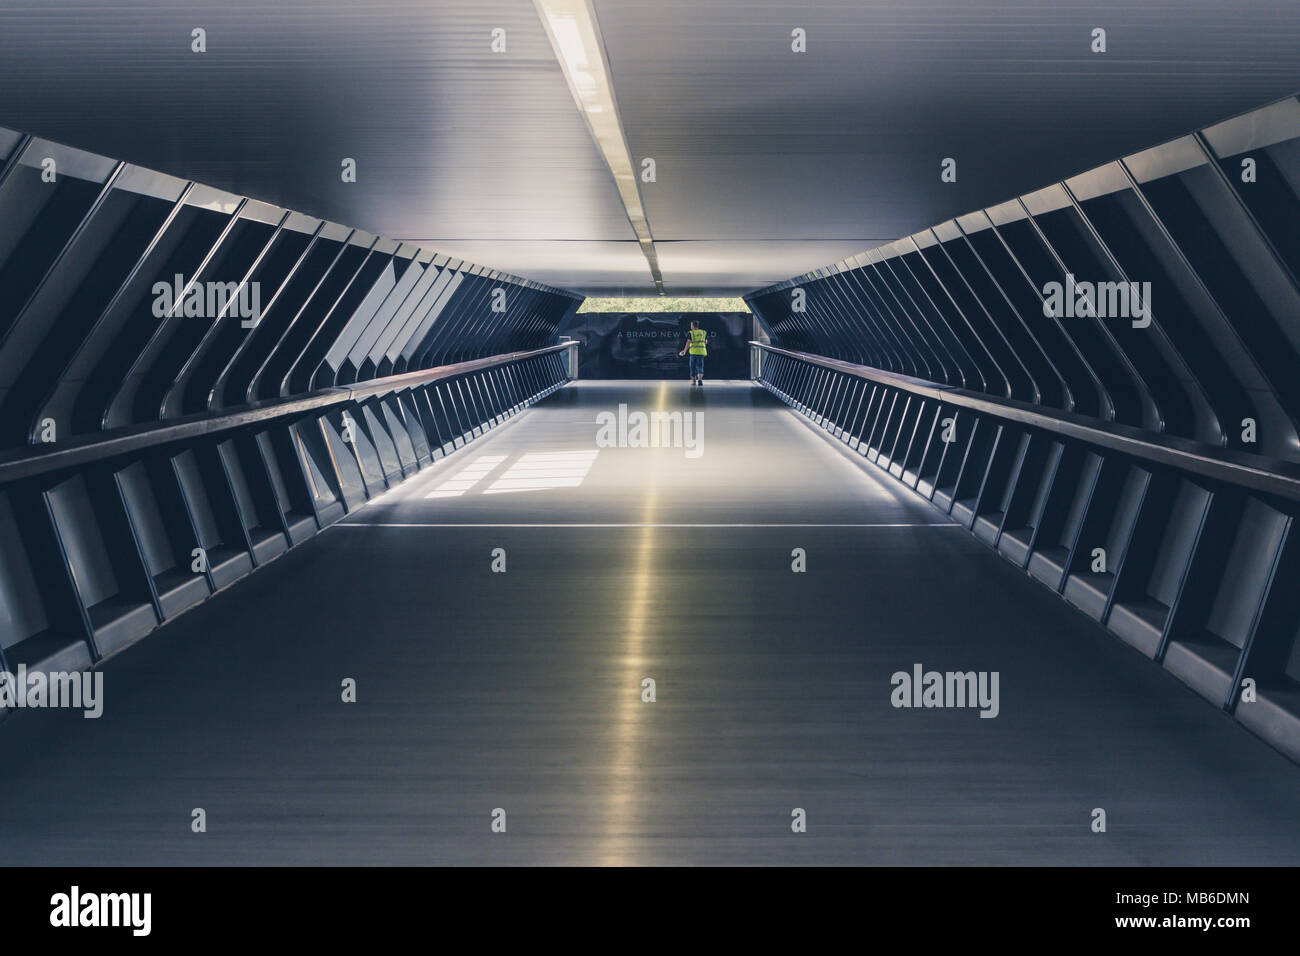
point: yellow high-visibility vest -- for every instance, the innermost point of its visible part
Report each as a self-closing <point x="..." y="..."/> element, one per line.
<point x="697" y="342"/>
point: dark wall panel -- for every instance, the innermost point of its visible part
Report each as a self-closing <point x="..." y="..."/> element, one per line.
<point x="631" y="345"/>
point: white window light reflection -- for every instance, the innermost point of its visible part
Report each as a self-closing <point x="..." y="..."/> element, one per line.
<point x="539" y="471"/>
<point x="467" y="477"/>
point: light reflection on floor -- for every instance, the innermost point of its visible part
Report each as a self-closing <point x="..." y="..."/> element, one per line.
<point x="537" y="471"/>
<point x="467" y="477"/>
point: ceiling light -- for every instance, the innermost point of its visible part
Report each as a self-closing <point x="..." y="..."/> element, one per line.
<point x="575" y="37"/>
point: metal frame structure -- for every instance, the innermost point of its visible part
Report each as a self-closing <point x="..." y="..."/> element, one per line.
<point x="962" y="303"/>
<point x="1187" y="552"/>
<point x="152" y="454"/>
<point x="1146" y="471"/>
<point x="107" y="537"/>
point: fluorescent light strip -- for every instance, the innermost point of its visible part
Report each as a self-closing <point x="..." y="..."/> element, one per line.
<point x="575" y="37"/>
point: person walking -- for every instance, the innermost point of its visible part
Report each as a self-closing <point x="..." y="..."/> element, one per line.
<point x="695" y="343"/>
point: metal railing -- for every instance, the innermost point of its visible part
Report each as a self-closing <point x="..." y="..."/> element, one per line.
<point x="1186" y="551"/>
<point x="1252" y="472"/>
<point x="22" y="463"/>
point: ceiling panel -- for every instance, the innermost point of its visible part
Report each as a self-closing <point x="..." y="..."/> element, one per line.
<point x="596" y="268"/>
<point x="451" y="140"/>
<point x="844" y="142"/>
<point x="768" y="162"/>
<point x="715" y="267"/>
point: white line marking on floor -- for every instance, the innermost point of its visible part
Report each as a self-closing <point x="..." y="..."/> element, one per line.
<point x="467" y="524"/>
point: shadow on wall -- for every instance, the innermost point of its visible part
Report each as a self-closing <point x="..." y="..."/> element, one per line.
<point x="640" y="345"/>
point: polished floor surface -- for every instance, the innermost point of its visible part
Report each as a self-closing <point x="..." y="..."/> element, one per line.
<point x="481" y="691"/>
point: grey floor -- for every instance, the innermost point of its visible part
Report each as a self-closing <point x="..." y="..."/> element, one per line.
<point x="522" y="691"/>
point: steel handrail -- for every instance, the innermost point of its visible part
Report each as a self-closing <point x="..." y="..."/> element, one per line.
<point x="27" y="462"/>
<point x="1254" y="472"/>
